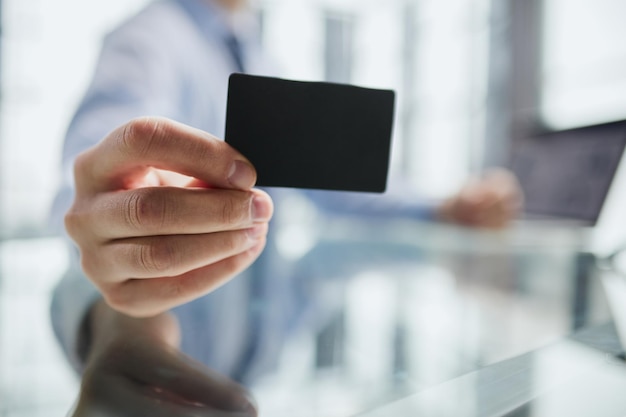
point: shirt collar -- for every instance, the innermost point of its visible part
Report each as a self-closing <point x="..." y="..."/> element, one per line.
<point x="214" y="21"/>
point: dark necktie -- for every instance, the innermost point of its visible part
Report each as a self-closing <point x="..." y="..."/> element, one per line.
<point x="234" y="47"/>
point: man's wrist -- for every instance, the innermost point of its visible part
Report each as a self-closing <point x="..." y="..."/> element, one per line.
<point x="107" y="326"/>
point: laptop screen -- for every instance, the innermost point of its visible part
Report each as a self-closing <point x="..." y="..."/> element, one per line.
<point x="567" y="174"/>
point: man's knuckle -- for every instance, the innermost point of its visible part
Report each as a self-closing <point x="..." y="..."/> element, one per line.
<point x="117" y="298"/>
<point x="71" y="221"/>
<point x="132" y="208"/>
<point x="235" y="211"/>
<point x="228" y="212"/>
<point x="140" y="135"/>
<point x="88" y="264"/>
<point x="232" y="243"/>
<point x="145" y="208"/>
<point x="120" y="298"/>
<point x="158" y="257"/>
<point x="81" y="164"/>
<point x="174" y="290"/>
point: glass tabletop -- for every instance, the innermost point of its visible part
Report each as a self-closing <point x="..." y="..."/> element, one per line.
<point x="426" y="303"/>
<point x="564" y="378"/>
<point x="392" y="309"/>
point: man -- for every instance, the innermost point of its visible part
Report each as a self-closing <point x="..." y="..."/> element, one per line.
<point x="164" y="214"/>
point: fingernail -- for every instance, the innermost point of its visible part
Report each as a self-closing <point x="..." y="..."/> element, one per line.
<point x="250" y="406"/>
<point x="241" y="175"/>
<point x="256" y="231"/>
<point x="261" y="208"/>
<point x="242" y="403"/>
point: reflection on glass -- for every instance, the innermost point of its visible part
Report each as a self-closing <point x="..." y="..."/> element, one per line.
<point x="135" y="368"/>
<point x="615" y="262"/>
<point x="564" y="379"/>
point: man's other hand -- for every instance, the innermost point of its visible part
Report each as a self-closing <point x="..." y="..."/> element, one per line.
<point x="492" y="201"/>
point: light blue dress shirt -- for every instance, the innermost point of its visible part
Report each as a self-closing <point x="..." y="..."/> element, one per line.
<point x="172" y="59"/>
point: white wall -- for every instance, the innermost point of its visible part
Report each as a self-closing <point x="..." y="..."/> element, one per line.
<point x="48" y="54"/>
<point x="584" y="62"/>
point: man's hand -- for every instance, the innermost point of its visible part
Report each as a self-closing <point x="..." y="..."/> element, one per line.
<point x="164" y="214"/>
<point x="492" y="202"/>
<point x="135" y="369"/>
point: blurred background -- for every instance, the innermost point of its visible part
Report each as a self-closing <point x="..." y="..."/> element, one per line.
<point x="472" y="77"/>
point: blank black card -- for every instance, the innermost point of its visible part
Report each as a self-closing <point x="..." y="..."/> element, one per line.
<point x="311" y="134"/>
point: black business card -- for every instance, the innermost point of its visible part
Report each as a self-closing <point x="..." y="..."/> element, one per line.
<point x="311" y="134"/>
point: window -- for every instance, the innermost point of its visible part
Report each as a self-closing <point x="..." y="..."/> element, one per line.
<point x="584" y="62"/>
<point x="432" y="52"/>
<point x="48" y="55"/>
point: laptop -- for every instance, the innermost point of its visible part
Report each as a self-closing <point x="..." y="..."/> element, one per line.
<point x="566" y="175"/>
